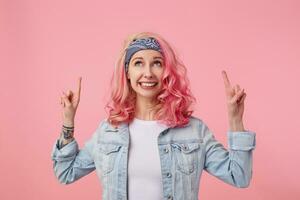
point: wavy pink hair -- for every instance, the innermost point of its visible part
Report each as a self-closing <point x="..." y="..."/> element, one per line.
<point x="174" y="99"/>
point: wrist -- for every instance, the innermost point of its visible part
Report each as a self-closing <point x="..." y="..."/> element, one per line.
<point x="67" y="132"/>
<point x="236" y="125"/>
<point x="68" y="123"/>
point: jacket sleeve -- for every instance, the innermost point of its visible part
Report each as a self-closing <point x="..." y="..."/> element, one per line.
<point x="233" y="166"/>
<point x="71" y="163"/>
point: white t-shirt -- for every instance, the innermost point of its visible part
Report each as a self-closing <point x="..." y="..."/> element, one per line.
<point x="144" y="170"/>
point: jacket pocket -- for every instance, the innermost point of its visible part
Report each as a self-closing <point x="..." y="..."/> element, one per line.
<point x="186" y="156"/>
<point x="109" y="153"/>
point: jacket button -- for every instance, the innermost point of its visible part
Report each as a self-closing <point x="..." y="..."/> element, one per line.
<point x="186" y="148"/>
<point x="166" y="150"/>
<point x="170" y="197"/>
<point x="169" y="175"/>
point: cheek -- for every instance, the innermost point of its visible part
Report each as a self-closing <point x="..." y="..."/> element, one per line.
<point x="159" y="75"/>
<point x="133" y="83"/>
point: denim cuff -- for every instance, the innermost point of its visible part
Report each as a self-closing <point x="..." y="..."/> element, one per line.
<point x="66" y="153"/>
<point x="241" y="140"/>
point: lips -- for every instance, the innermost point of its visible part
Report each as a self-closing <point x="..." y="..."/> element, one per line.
<point x="148" y="84"/>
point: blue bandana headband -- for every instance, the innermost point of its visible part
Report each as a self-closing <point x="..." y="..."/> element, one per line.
<point x="140" y="44"/>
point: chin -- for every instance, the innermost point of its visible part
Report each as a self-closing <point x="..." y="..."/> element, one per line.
<point x="150" y="95"/>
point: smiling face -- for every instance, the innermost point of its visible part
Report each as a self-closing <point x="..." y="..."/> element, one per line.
<point x="145" y="72"/>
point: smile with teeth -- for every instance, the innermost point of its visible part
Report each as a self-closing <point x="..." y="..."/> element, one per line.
<point x="143" y="84"/>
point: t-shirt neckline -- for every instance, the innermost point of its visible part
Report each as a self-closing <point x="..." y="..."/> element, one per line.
<point x="144" y="121"/>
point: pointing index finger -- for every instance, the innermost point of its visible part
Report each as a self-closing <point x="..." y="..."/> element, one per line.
<point x="225" y="78"/>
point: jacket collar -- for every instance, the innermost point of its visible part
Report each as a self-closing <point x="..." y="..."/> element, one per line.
<point x="110" y="128"/>
<point x="124" y="125"/>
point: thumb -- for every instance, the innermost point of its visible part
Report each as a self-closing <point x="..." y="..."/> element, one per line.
<point x="237" y="96"/>
<point x="66" y="99"/>
<point x="69" y="93"/>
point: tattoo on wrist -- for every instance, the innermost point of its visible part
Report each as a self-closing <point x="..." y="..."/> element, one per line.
<point x="68" y="132"/>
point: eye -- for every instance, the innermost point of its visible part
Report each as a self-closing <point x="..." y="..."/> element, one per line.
<point x="137" y="62"/>
<point x="157" y="62"/>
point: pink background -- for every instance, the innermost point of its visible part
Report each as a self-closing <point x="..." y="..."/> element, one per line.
<point x="46" y="45"/>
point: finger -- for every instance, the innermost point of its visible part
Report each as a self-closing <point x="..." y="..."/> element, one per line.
<point x="237" y="88"/>
<point x="69" y="93"/>
<point x="237" y="96"/>
<point x="62" y="102"/>
<point x="66" y="99"/>
<point x="225" y="78"/>
<point x="79" y="86"/>
<point x="242" y="99"/>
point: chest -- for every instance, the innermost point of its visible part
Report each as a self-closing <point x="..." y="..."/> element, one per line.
<point x="175" y="151"/>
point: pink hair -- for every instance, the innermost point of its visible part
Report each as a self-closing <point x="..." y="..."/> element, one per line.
<point x="174" y="99"/>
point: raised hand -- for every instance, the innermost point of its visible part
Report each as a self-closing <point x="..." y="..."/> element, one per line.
<point x="235" y="100"/>
<point x="69" y="102"/>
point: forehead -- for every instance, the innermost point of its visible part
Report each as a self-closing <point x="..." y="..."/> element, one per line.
<point x="147" y="54"/>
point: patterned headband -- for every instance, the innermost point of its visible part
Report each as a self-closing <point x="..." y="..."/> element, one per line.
<point x="140" y="44"/>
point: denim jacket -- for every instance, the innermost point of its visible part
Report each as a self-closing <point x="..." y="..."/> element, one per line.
<point x="184" y="153"/>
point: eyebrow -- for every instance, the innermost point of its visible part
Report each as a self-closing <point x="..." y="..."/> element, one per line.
<point x="142" y="57"/>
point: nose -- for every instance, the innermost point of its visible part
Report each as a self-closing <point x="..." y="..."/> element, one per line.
<point x="148" y="72"/>
<point x="148" y="76"/>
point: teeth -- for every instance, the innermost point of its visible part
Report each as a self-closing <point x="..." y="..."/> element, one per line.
<point x="148" y="84"/>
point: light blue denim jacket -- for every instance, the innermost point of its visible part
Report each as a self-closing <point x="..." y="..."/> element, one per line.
<point x="184" y="153"/>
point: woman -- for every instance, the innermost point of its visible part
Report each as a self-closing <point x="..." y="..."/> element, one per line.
<point x="150" y="146"/>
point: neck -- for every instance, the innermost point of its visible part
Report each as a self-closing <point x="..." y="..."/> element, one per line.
<point x="145" y="108"/>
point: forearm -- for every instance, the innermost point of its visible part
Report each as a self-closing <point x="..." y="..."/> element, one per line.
<point x="67" y="134"/>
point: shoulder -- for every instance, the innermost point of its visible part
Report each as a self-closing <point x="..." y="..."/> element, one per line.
<point x="199" y="125"/>
<point x="196" y="121"/>
<point x="192" y="131"/>
<point x="104" y="124"/>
